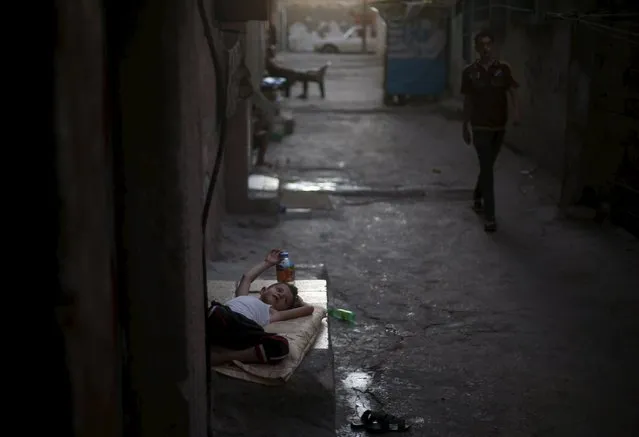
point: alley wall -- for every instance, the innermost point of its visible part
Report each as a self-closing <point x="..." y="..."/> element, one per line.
<point x="86" y="246"/>
<point x="165" y="106"/>
<point x="539" y="56"/>
<point x="457" y="60"/>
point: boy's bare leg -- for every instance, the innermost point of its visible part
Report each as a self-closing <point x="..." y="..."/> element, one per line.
<point x="221" y="356"/>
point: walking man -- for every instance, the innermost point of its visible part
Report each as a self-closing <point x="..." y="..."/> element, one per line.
<point x="486" y="85"/>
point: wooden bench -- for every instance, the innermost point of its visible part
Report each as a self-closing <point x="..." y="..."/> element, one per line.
<point x="304" y="406"/>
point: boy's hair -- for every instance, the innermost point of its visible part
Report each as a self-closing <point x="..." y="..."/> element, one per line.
<point x="485" y="33"/>
<point x="297" y="300"/>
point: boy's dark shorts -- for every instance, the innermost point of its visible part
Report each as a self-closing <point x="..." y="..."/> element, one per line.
<point x="231" y="330"/>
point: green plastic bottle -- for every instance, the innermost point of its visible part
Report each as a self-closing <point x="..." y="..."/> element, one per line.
<point x="338" y="313"/>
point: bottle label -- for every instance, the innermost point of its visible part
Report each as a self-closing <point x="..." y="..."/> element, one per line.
<point x="285" y="270"/>
<point x="284" y="264"/>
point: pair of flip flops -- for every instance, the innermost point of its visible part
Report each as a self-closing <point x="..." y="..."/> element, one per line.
<point x="378" y="422"/>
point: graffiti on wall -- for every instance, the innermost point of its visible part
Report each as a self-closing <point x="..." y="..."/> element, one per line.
<point x="415" y="59"/>
<point x="307" y="25"/>
<point x="421" y="38"/>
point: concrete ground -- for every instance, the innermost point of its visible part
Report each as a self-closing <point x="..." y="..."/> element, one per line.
<point x="532" y="331"/>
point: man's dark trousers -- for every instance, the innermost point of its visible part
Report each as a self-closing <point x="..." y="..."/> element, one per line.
<point x="487" y="144"/>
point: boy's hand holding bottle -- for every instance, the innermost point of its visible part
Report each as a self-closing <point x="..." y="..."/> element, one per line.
<point x="273" y="257"/>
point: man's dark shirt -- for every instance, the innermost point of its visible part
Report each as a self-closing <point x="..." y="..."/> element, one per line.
<point x="487" y="88"/>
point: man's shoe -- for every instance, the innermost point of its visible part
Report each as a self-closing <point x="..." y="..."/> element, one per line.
<point x="490" y="225"/>
<point x="478" y="206"/>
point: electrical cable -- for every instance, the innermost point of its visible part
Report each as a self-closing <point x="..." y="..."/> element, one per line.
<point x="619" y="33"/>
<point x="613" y="15"/>
<point x="580" y="19"/>
<point x="221" y="100"/>
<point x="611" y="28"/>
<point x="611" y="31"/>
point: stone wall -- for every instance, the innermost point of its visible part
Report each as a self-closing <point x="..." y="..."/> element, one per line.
<point x="154" y="106"/>
<point x="170" y="131"/>
<point x="580" y="73"/>
<point x="611" y="147"/>
<point x="456" y="54"/>
<point x="539" y="56"/>
<point x="205" y="105"/>
<point x="86" y="211"/>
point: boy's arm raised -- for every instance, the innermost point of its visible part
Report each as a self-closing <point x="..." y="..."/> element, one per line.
<point x="247" y="278"/>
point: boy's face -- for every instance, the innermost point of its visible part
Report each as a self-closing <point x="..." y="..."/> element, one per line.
<point x="278" y="296"/>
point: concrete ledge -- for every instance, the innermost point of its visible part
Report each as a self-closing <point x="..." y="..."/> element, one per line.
<point x="268" y="206"/>
<point x="305" y="406"/>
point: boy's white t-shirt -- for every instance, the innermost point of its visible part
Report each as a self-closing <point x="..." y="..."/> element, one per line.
<point x="252" y="308"/>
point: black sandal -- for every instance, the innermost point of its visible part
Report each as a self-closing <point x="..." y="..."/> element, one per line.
<point x="378" y="422"/>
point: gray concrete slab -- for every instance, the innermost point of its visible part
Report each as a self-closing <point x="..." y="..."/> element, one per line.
<point x="305" y="405"/>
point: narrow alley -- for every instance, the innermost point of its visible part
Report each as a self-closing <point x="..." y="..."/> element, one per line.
<point x="260" y="218"/>
<point x="531" y="331"/>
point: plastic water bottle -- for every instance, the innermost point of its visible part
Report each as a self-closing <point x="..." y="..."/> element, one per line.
<point x="285" y="269"/>
<point x="341" y="314"/>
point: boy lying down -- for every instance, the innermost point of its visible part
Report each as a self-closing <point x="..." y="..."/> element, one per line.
<point x="236" y="329"/>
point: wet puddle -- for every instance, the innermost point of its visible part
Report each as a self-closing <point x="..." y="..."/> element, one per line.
<point x="264" y="186"/>
<point x="360" y="396"/>
<point x="259" y="182"/>
<point x="328" y="185"/>
<point x="358" y="380"/>
<point x="356" y="385"/>
<point x="346" y="188"/>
